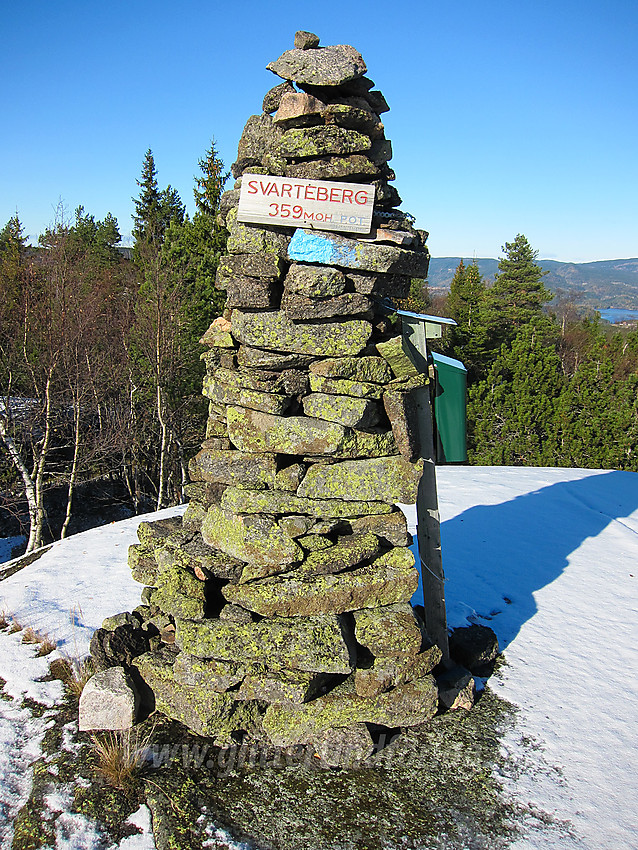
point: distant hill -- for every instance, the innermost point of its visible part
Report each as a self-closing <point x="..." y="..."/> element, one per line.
<point x="606" y="283"/>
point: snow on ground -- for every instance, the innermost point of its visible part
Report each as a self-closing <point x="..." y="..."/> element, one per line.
<point x="76" y="584"/>
<point x="547" y="557"/>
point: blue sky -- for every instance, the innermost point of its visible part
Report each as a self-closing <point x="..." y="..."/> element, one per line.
<point x="506" y="117"/>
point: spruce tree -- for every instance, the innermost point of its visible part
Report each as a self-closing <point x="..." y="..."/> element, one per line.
<point x="467" y="341"/>
<point x="209" y="186"/>
<point x="511" y="413"/>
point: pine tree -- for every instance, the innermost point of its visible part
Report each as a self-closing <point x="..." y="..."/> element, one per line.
<point x="517" y="295"/>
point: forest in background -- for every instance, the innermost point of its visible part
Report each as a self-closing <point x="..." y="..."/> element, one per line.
<point x="547" y="385"/>
<point x="100" y="370"/>
<point x="100" y="374"/>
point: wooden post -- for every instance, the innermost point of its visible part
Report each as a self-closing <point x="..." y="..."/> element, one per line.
<point x="427" y="505"/>
<point x="429" y="532"/>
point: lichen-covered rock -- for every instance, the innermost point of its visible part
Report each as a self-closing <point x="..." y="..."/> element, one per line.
<point x="255" y="293"/>
<point x="384" y="479"/>
<point x="304" y="142"/>
<point x="142" y="563"/>
<point x="388" y="673"/>
<point x="407" y="705"/>
<point x="288" y="686"/>
<point x="351" y="168"/>
<point x="390" y="528"/>
<point x="267" y="266"/>
<point x="222" y="393"/>
<point x="248" y="239"/>
<point x="255" y="539"/>
<point x="257" y="358"/>
<point x="344" y="386"/>
<point x="351" y="412"/>
<point x="259" y="135"/>
<point x="207" y="712"/>
<point x="254" y="431"/>
<point x="400" y="404"/>
<point x="344" y="747"/>
<point x="299" y="308"/>
<point x="389" y="631"/>
<point x="278" y="332"/>
<point x="322" y="66"/>
<point x="274" y="96"/>
<point x="208" y="672"/>
<point x="243" y="501"/>
<point x="180" y="593"/>
<point x="365" y="369"/>
<point x="235" y="467"/>
<point x="290" y="477"/>
<point x="314" y="281"/>
<point x="320" y="644"/>
<point x="388" y="579"/>
<point x="348" y="552"/>
<point x="333" y="250"/>
<point x="305" y="40"/>
<point x="393" y="352"/>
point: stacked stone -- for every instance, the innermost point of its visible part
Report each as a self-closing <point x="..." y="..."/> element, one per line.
<point x="281" y="603"/>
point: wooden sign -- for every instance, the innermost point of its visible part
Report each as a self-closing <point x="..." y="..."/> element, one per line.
<point x="311" y="204"/>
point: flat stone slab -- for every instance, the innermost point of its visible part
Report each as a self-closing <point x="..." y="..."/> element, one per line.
<point x="108" y="701"/>
<point x="348" y="552"/>
<point x="367" y="369"/>
<point x="205" y="711"/>
<point x="330" y="140"/>
<point x="314" y="281"/>
<point x="383" y="479"/>
<point x="347" y="411"/>
<point x="389" y="631"/>
<point x="308" y="246"/>
<point x="221" y="393"/>
<point x="294" y="687"/>
<point x="236" y="467"/>
<point x="387" y="673"/>
<point x="316" y="644"/>
<point x="254" y="538"/>
<point x="407" y="705"/>
<point x="239" y="500"/>
<point x="321" y="66"/>
<point x="254" y="431"/>
<point x="388" y="579"/>
<point x="275" y="331"/>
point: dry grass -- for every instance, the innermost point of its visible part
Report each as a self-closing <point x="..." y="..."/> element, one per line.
<point x="4" y="621"/>
<point x="47" y="645"/>
<point x="14" y="627"/>
<point x="80" y="673"/>
<point x="121" y="756"/>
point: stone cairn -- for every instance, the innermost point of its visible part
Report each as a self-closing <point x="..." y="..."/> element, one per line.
<point x="279" y="607"/>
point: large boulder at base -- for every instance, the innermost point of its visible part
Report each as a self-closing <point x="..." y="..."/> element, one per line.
<point x="108" y="701"/>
